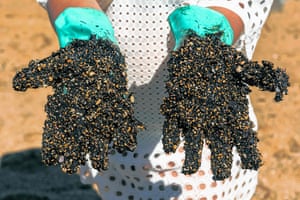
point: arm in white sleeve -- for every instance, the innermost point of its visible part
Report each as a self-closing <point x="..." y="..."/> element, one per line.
<point x="253" y="14"/>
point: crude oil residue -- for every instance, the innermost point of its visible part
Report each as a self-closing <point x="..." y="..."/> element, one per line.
<point x="91" y="109"/>
<point x="207" y="101"/>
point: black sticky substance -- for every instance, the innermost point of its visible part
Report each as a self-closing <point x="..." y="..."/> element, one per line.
<point x="207" y="101"/>
<point x="91" y="109"/>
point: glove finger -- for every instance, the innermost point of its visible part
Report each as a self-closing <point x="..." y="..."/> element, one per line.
<point x="193" y="145"/>
<point x="71" y="159"/>
<point x="74" y="154"/>
<point x="53" y="137"/>
<point x="124" y="139"/>
<point x="171" y="134"/>
<point x="124" y="125"/>
<point x="94" y="141"/>
<point x="98" y="151"/>
<point x="277" y="80"/>
<point x="50" y="145"/>
<point x="39" y="73"/>
<point x="246" y="143"/>
<point x="265" y="77"/>
<point x="221" y="159"/>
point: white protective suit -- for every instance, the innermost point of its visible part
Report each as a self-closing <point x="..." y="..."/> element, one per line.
<point x="143" y="33"/>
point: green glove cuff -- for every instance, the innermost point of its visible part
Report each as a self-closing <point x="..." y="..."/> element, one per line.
<point x="200" y="20"/>
<point x="81" y="23"/>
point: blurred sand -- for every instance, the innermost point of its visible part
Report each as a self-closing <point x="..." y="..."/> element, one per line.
<point x="26" y="34"/>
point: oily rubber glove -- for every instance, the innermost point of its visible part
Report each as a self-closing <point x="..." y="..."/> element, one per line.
<point x="81" y="23"/>
<point x="91" y="109"/>
<point x="202" y="21"/>
<point x="207" y="101"/>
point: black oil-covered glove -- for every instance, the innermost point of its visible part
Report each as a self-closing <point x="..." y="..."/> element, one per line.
<point x="91" y="107"/>
<point x="207" y="101"/>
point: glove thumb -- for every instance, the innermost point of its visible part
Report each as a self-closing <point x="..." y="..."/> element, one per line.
<point x="37" y="74"/>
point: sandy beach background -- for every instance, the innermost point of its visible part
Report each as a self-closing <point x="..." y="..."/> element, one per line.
<point x="26" y="34"/>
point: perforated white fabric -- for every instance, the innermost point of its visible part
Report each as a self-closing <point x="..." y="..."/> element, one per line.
<point x="148" y="173"/>
<point x="42" y="2"/>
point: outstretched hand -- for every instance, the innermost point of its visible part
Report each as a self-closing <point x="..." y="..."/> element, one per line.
<point x="207" y="101"/>
<point x="91" y="107"/>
